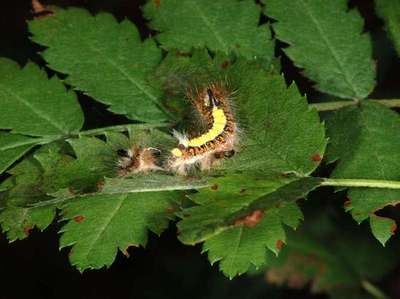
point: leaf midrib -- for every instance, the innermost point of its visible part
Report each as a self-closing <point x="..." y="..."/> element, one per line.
<point x="209" y="25"/>
<point x="329" y="46"/>
<point x="33" y="109"/>
<point x="103" y="228"/>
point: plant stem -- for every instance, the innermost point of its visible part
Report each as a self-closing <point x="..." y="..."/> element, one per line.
<point x="373" y="290"/>
<point x="119" y="128"/>
<point x="329" y="106"/>
<point x="361" y="183"/>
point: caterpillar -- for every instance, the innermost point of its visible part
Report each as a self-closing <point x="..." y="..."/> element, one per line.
<point x="137" y="159"/>
<point x="220" y="138"/>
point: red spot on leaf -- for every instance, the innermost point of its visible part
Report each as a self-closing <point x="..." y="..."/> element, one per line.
<point x="279" y="244"/>
<point x="79" y="218"/>
<point x="170" y="210"/>
<point x="250" y="220"/>
<point x="225" y="64"/>
<point x="27" y="230"/>
<point x="316" y="158"/>
<point x="393" y="228"/>
<point x="182" y="54"/>
<point x="214" y="187"/>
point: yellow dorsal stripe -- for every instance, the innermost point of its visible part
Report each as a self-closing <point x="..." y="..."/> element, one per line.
<point x="217" y="128"/>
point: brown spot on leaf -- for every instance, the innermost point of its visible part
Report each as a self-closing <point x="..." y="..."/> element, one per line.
<point x="393" y="228"/>
<point x="279" y="244"/>
<point x="250" y="220"/>
<point x="316" y="158"/>
<point x="214" y="187"/>
<point x="170" y="210"/>
<point x="39" y="10"/>
<point x="27" y="229"/>
<point x="243" y="190"/>
<point x="182" y="54"/>
<point x="237" y="46"/>
<point x="225" y="64"/>
<point x="347" y="202"/>
<point x="79" y="218"/>
<point x="157" y="3"/>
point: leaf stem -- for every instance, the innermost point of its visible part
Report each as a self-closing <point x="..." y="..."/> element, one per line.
<point x="329" y="106"/>
<point x="373" y="290"/>
<point x="361" y="183"/>
<point x="119" y="128"/>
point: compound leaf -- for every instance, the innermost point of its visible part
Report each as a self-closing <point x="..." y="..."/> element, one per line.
<point x="366" y="143"/>
<point x="228" y="26"/>
<point x="281" y="133"/>
<point x="99" y="225"/>
<point x="239" y="223"/>
<point x="106" y="60"/>
<point x="32" y="104"/>
<point x="323" y="37"/>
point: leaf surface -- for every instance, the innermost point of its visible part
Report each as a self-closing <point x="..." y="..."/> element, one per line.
<point x="239" y="224"/>
<point x="281" y="133"/>
<point x="13" y="147"/>
<point x="323" y="37"/>
<point x="228" y="26"/>
<point x="32" y="104"/>
<point x="366" y="144"/>
<point x="100" y="225"/>
<point x="106" y="60"/>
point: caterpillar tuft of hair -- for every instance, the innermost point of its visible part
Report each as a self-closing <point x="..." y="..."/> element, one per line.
<point x="137" y="159"/>
<point x="219" y="140"/>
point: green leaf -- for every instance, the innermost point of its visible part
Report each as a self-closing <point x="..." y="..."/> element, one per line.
<point x="281" y="133"/>
<point x="366" y="143"/>
<point x="32" y="104"/>
<point x="239" y="217"/>
<point x="13" y="147"/>
<point x="100" y="225"/>
<point x="21" y="189"/>
<point x="321" y="254"/>
<point x="228" y="26"/>
<point x="106" y="60"/>
<point x="389" y="11"/>
<point x="278" y="131"/>
<point x="323" y="37"/>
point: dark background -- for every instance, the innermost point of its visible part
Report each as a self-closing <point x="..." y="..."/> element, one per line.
<point x="35" y="268"/>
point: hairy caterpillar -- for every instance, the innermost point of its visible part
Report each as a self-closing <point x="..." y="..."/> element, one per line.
<point x="137" y="159"/>
<point x="220" y="138"/>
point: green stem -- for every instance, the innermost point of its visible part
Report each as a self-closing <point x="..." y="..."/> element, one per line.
<point x="373" y="290"/>
<point x="119" y="128"/>
<point x="329" y="106"/>
<point x="361" y="183"/>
